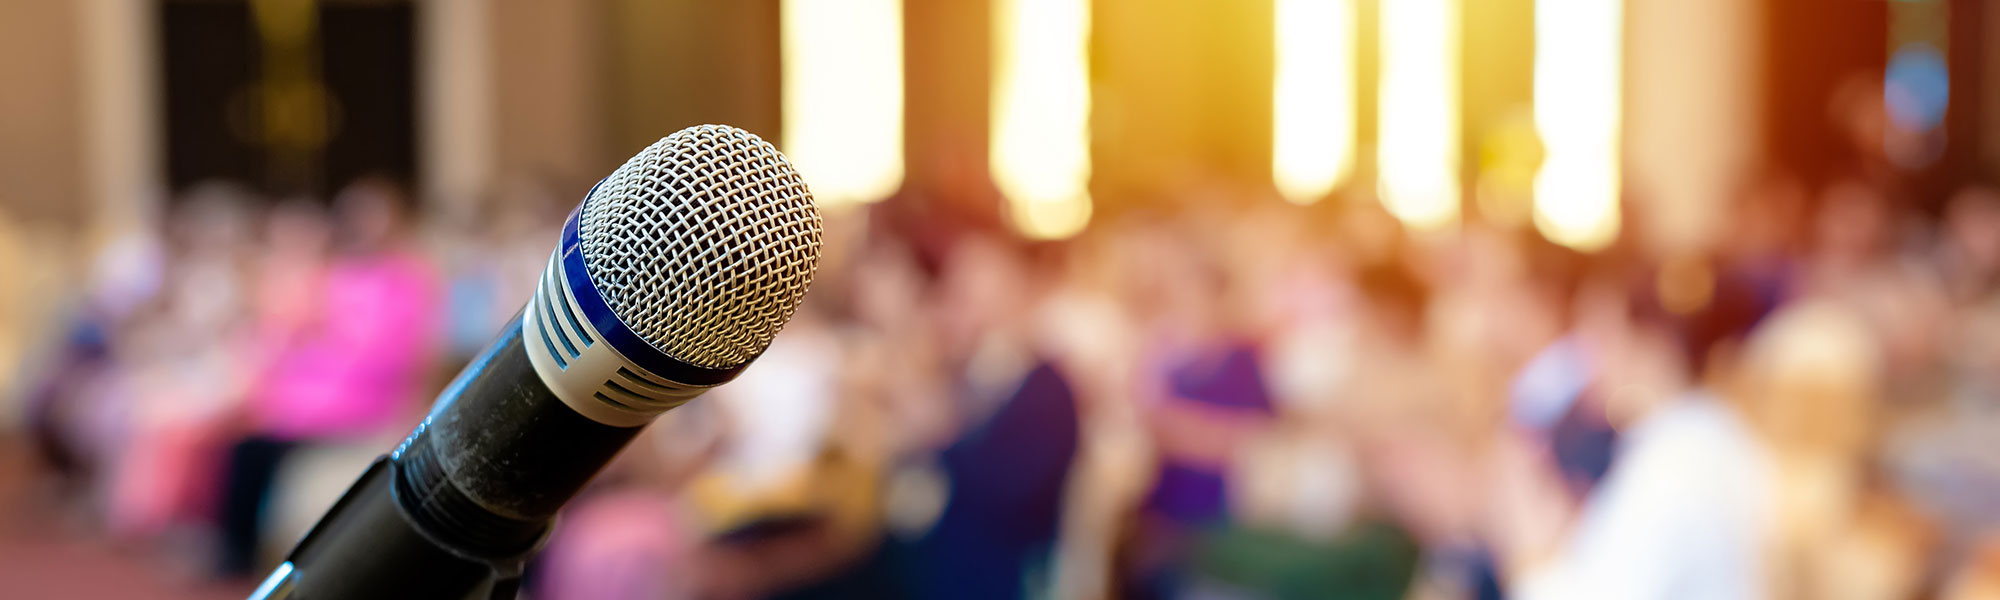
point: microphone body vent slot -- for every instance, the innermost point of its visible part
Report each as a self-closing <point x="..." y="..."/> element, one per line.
<point x="593" y="378"/>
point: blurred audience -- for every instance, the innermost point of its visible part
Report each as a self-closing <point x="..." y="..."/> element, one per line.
<point x="344" y="353"/>
<point x="1229" y="399"/>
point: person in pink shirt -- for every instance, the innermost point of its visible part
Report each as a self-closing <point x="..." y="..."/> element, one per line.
<point x="349" y="367"/>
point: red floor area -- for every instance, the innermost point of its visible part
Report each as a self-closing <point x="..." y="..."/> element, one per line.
<point x="43" y="554"/>
<point x="54" y="568"/>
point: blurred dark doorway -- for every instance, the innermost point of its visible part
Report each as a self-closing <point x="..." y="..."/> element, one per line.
<point x="1917" y="60"/>
<point x="291" y="97"/>
<point x="1813" y="47"/>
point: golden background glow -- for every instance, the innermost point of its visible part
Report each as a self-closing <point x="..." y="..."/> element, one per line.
<point x="843" y="96"/>
<point x="1418" y="143"/>
<point x="1313" y="98"/>
<point x="1579" y="49"/>
<point x="1041" y="114"/>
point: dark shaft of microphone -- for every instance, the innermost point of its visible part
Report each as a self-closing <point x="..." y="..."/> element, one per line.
<point x="478" y="485"/>
<point x="509" y="444"/>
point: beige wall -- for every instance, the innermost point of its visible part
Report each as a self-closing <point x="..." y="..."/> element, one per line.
<point x="677" y="63"/>
<point x="545" y="88"/>
<point x="40" y="102"/>
<point x="42" y="199"/>
<point x="1178" y="85"/>
<point x="455" y="142"/>
<point x="548" y="88"/>
<point x="516" y="88"/>
<point x="946" y="88"/>
<point x="1692" y="98"/>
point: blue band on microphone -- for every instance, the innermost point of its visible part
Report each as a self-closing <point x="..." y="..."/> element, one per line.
<point x="615" y="333"/>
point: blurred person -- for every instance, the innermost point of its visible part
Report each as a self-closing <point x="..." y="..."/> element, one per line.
<point x="1202" y="388"/>
<point x="461" y="238"/>
<point x="1415" y="428"/>
<point x="353" y="372"/>
<point x="1201" y="392"/>
<point x="1858" y="112"/>
<point x="630" y="534"/>
<point x="74" y="398"/>
<point x="1306" y="520"/>
<point x="1852" y="234"/>
<point x="816" y="530"/>
<point x="1813" y="378"/>
<point x="780" y="420"/>
<point x="1857" y="261"/>
<point x="1502" y="332"/>
<point x="1402" y="386"/>
<point x="1765" y="234"/>
<point x="1679" y="513"/>
<point x="832" y="551"/>
<point x="493" y="256"/>
<point x="1094" y="341"/>
<point x="1299" y="528"/>
<point x="1557" y="397"/>
<point x="1969" y="253"/>
<point x="789" y="501"/>
<point x="994" y="502"/>
<point x="183" y="366"/>
<point x="1314" y="333"/>
<point x="289" y="275"/>
<point x="892" y="365"/>
<point x="1885" y="553"/>
<point x="1262" y="249"/>
<point x="1501" y="301"/>
<point x="625" y="544"/>
<point x="289" y="271"/>
<point x="1940" y="454"/>
<point x="1391" y="409"/>
<point x="1369" y="234"/>
<point x="1978" y="578"/>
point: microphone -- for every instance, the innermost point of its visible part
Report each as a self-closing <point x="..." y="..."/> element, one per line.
<point x="671" y="276"/>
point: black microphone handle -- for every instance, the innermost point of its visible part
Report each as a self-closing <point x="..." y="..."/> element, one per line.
<point x="367" y="547"/>
<point x="465" y="500"/>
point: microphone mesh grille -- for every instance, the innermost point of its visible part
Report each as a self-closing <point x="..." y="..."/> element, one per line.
<point x="703" y="244"/>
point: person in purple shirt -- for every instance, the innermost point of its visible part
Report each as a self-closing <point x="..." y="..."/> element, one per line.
<point x="1206" y="394"/>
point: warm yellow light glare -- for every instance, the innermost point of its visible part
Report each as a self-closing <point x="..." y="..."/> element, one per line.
<point x="1041" y="114"/>
<point x="842" y="76"/>
<point x="1050" y="220"/>
<point x="1313" y="98"/>
<point x="1418" y="147"/>
<point x="1579" y="49"/>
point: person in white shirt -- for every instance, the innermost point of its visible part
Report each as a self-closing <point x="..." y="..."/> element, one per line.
<point x="1681" y="512"/>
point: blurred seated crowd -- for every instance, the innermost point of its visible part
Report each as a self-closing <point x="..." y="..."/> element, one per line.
<point x="1218" y="398"/>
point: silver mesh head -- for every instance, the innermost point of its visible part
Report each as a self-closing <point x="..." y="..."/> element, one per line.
<point x="703" y="244"/>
